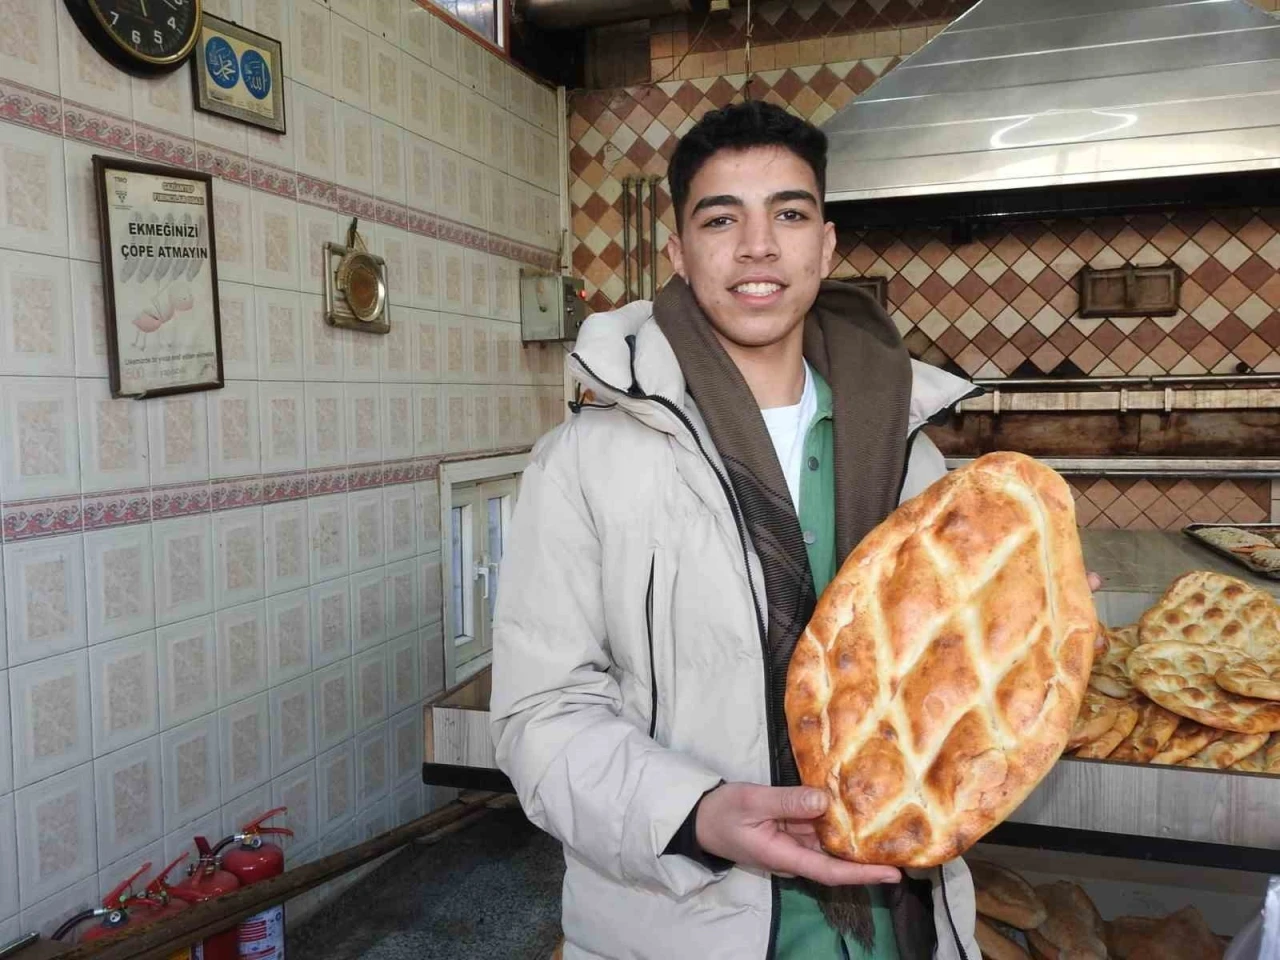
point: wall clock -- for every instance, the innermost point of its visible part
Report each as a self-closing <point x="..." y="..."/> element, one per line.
<point x="144" y="37"/>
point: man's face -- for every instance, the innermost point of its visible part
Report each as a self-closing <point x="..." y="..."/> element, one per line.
<point x="754" y="247"/>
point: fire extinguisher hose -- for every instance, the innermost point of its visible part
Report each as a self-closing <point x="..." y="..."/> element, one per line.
<point x="75" y="921"/>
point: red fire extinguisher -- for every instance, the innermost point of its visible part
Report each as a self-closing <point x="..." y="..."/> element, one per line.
<point x="261" y="937"/>
<point x="206" y="880"/>
<point x="115" y="910"/>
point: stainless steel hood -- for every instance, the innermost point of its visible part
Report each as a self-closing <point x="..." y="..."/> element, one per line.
<point x="1021" y="94"/>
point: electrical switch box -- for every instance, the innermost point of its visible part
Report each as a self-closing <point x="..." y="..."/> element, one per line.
<point x="552" y="306"/>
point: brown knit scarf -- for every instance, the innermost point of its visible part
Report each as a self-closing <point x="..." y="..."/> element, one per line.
<point x="850" y="341"/>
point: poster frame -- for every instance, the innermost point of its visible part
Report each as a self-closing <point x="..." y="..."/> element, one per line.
<point x="101" y="166"/>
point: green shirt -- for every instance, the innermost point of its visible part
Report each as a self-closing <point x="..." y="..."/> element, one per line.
<point x="803" y="930"/>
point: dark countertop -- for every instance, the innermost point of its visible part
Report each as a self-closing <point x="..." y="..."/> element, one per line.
<point x="1142" y="561"/>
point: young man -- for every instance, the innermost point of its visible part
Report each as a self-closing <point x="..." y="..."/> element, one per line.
<point x="746" y="431"/>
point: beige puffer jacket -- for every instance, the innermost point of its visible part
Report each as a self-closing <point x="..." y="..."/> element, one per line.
<point x="628" y="674"/>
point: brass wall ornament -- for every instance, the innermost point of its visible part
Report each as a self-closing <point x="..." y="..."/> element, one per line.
<point x="355" y="290"/>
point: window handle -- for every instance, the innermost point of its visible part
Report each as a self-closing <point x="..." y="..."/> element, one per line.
<point x="482" y="570"/>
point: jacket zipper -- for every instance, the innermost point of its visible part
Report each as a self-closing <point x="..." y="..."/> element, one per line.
<point x="653" y="669"/>
<point x="637" y="392"/>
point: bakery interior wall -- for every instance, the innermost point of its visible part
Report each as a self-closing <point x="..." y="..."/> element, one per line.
<point x="223" y="601"/>
<point x="997" y="307"/>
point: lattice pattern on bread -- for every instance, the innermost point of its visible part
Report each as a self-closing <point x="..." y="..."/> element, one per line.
<point x="944" y="666"/>
<point x="1207" y="607"/>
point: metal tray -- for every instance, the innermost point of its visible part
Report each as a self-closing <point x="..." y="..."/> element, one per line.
<point x="1270" y="531"/>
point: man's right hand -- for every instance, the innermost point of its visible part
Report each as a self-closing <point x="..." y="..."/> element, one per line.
<point x="771" y="828"/>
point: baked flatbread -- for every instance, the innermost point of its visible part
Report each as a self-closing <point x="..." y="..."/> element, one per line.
<point x="1180" y="677"/>
<point x="1210" y="608"/>
<point x="1230" y="538"/>
<point x="1097" y="715"/>
<point x="1074" y="929"/>
<point x="1226" y="751"/>
<point x="1155" y="727"/>
<point x="1109" y="675"/>
<point x="1251" y="678"/>
<point x="1188" y="740"/>
<point x="1183" y="935"/>
<point x="1003" y="895"/>
<point x="941" y="673"/>
<point x="1127" y="715"/>
<point x="1266" y="559"/>
<point x="1266" y="759"/>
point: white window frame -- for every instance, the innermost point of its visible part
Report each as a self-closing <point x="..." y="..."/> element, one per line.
<point x="453" y="474"/>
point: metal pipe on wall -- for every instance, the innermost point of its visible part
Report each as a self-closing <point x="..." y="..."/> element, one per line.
<point x="653" y="237"/>
<point x="626" y="240"/>
<point x="640" y="291"/>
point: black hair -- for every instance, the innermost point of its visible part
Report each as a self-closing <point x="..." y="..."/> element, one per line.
<point x="741" y="126"/>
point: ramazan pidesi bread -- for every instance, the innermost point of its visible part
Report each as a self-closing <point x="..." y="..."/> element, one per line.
<point x="943" y="668"/>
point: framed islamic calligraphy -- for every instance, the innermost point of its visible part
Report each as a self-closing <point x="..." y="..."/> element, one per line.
<point x="238" y="73"/>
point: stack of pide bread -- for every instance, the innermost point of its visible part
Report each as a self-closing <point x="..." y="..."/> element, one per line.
<point x="1058" y="921"/>
<point x="1195" y="682"/>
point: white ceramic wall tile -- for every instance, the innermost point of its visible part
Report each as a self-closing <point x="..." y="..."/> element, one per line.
<point x="445" y="47"/>
<point x="239" y="320"/>
<point x="353" y="148"/>
<point x="283" y="411"/>
<point x="233" y="233"/>
<point x="336" y="786"/>
<point x="182" y="840"/>
<point x="36" y="330"/>
<point x="368" y="609"/>
<point x="322" y="345"/>
<point x="57" y="838"/>
<point x="8" y="859"/>
<point x="123" y="685"/>
<point x="340" y="836"/>
<point x="388" y="162"/>
<point x="90" y="319"/>
<point x="31" y="59"/>
<point x="316" y="227"/>
<point x="373" y="765"/>
<point x="452" y="260"/>
<point x="310" y="53"/>
<point x="406" y="804"/>
<point x="238" y="554"/>
<point x="51" y="716"/>
<point x="234" y="449"/>
<point x="44" y="594"/>
<point x="448" y="184"/>
<point x="374" y="821"/>
<point x="164" y="103"/>
<point x="425" y="345"/>
<point x="245" y="738"/>
<point x="33" y="207"/>
<point x="385" y="80"/>
<point x="6" y="737"/>
<point x="425" y="273"/>
<point x="113" y="440"/>
<point x="275" y="241"/>
<point x="419" y="103"/>
<point x="369" y="682"/>
<point x="334" y="715"/>
<point x="327" y="518"/>
<point x="326" y="425"/>
<point x="350" y="63"/>
<point x="399" y="510"/>
<point x="47" y="916"/>
<point x="242" y="652"/>
<point x="458" y="414"/>
<point x="312" y="122"/>
<point x="129" y="800"/>
<point x="384" y="19"/>
<point x="405" y="735"/>
<point x="120" y="582"/>
<point x="479" y="296"/>
<point x="296" y="792"/>
<point x="398" y="344"/>
<point x="288" y="636"/>
<point x="432" y="655"/>
<point x="190" y="771"/>
<point x="427" y="512"/>
<point x="292" y="725"/>
<point x="287" y="557"/>
<point x="188" y="676"/>
<point x="473" y="123"/>
<point x="405" y="672"/>
<point x="42" y="457"/>
<point x="364" y="422"/>
<point x="267" y="16"/>
<point x="475" y="203"/>
<point x="113" y="874"/>
<point x="330" y="622"/>
<point x="365" y="509"/>
<point x="279" y="335"/>
<point x="362" y="359"/>
<point x="427" y="414"/>
<point x="496" y="188"/>
<point x="495" y="79"/>
<point x="401" y="605"/>
<point x="355" y="11"/>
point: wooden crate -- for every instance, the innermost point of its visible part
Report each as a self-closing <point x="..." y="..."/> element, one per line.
<point x="456" y="725"/>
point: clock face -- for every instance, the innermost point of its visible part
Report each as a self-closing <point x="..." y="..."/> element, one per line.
<point x="144" y="35"/>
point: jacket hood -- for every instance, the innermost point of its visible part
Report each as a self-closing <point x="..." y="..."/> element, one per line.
<point x="602" y="360"/>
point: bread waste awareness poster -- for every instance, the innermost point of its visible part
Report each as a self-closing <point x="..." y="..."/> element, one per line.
<point x="160" y="279"/>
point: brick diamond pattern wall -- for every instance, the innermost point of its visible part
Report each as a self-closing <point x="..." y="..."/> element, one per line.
<point x="1141" y="503"/>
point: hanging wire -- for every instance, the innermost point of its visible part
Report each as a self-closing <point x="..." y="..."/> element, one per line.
<point x="746" y="84"/>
